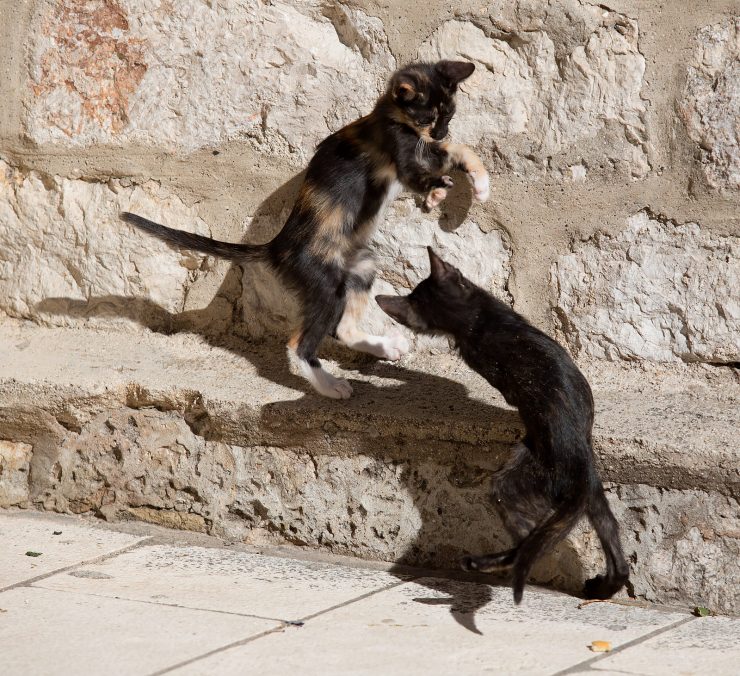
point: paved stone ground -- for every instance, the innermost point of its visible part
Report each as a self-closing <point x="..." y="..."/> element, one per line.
<point x="141" y="600"/>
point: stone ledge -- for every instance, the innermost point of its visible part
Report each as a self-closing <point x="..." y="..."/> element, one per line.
<point x="665" y="428"/>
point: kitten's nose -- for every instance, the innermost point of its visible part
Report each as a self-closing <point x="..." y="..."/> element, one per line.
<point x="440" y="134"/>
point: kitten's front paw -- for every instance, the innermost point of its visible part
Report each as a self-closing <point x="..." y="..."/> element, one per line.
<point x="439" y="192"/>
<point x="394" y="347"/>
<point x="435" y="197"/>
<point x="481" y="184"/>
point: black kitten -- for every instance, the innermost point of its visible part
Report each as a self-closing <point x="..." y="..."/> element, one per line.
<point x="550" y="481"/>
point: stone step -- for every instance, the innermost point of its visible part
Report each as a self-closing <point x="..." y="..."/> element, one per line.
<point x="217" y="436"/>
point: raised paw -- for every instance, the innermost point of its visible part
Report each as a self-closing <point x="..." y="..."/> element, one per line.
<point x="481" y="184"/>
<point x="394" y="347"/>
<point x="499" y="563"/>
<point x="435" y="197"/>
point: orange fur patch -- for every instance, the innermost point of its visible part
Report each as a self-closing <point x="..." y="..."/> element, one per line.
<point x="329" y="241"/>
<point x="348" y="329"/>
<point x="464" y="156"/>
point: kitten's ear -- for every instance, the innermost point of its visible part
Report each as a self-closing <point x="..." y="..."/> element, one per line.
<point x="404" y="91"/>
<point x="441" y="271"/>
<point x="455" y="71"/>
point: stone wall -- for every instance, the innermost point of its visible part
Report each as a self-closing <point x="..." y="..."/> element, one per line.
<point x="611" y="133"/>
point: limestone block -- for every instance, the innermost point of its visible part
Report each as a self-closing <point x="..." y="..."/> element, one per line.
<point x="193" y="73"/>
<point x="681" y="540"/>
<point x="711" y="100"/>
<point x="64" y="252"/>
<point x="400" y="247"/>
<point x="15" y="465"/>
<point x="547" y="92"/>
<point x="144" y="463"/>
<point x="657" y="290"/>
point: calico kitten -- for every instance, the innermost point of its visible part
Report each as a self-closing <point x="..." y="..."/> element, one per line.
<point x="550" y="481"/>
<point x="322" y="251"/>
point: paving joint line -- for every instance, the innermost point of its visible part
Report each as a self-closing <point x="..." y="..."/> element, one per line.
<point x="282" y="627"/>
<point x="583" y="666"/>
<point x="98" y="559"/>
<point x="157" y="603"/>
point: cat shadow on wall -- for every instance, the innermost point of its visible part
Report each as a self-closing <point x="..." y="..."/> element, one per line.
<point x="418" y="390"/>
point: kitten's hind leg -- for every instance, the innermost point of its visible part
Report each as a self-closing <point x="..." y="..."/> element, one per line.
<point x="359" y="282"/>
<point x="500" y="563"/>
<point x="518" y="495"/>
<point x="319" y="317"/>
<point x="607" y="528"/>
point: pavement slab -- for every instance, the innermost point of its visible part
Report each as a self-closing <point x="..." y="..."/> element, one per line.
<point x="74" y="543"/>
<point x="160" y="602"/>
<point x="706" y="645"/>
<point x="223" y="580"/>
<point x="438" y="626"/>
<point x="50" y="632"/>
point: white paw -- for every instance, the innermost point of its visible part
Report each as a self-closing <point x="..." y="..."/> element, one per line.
<point x="338" y="389"/>
<point x="329" y="386"/>
<point x="325" y="383"/>
<point x="394" y="347"/>
<point x="481" y="185"/>
<point x="435" y="197"/>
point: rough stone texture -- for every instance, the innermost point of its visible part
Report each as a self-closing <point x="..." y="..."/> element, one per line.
<point x="657" y="290"/>
<point x="711" y="100"/>
<point x="189" y="74"/>
<point x="691" y="536"/>
<point x="63" y="246"/>
<point x="15" y="463"/>
<point x="400" y="246"/>
<point x="557" y="84"/>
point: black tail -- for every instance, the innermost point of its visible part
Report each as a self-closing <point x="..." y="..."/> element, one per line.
<point x="606" y="527"/>
<point x="188" y="240"/>
<point x="545" y="537"/>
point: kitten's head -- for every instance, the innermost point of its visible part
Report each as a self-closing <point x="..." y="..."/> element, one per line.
<point x="423" y="95"/>
<point x="441" y="303"/>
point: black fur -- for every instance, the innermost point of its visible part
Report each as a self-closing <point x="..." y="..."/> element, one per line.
<point x="321" y="253"/>
<point x="550" y="481"/>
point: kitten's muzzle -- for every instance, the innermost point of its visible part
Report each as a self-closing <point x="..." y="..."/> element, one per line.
<point x="440" y="132"/>
<point x="396" y="307"/>
<point x="402" y="310"/>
